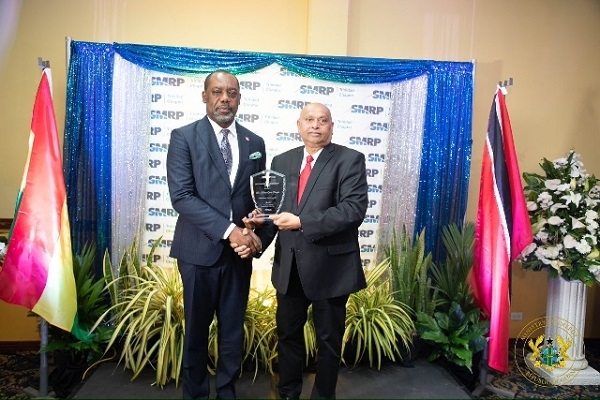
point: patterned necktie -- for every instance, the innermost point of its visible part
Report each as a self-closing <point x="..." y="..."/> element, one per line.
<point x="304" y="176"/>
<point x="226" y="150"/>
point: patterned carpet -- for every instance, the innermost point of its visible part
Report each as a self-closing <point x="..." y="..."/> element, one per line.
<point x="516" y="383"/>
<point x="20" y="370"/>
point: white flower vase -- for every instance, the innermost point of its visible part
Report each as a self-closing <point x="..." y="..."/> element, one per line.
<point x="565" y="320"/>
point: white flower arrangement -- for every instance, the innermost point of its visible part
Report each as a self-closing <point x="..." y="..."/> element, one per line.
<point x="564" y="207"/>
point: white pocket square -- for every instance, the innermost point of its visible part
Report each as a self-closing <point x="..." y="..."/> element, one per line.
<point x="256" y="155"/>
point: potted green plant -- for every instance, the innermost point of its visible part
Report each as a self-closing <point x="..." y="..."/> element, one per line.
<point x="260" y="330"/>
<point x="410" y="282"/>
<point x="455" y="331"/>
<point x="375" y="321"/>
<point x="73" y="355"/>
<point x="147" y="313"/>
<point x="451" y="278"/>
<point x="456" y="335"/>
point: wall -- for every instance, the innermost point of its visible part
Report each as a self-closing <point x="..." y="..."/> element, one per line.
<point x="549" y="47"/>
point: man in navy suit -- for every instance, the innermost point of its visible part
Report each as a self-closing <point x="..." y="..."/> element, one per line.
<point x="209" y="163"/>
<point x="317" y="254"/>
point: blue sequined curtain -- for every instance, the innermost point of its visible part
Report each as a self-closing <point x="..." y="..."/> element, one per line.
<point x="87" y="148"/>
<point x="446" y="153"/>
<point x="446" y="142"/>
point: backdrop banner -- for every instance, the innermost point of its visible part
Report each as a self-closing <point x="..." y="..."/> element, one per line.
<point x="272" y="98"/>
<point x="411" y="119"/>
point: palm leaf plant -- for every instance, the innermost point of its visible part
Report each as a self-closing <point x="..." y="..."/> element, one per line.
<point x="452" y="276"/>
<point x="260" y="330"/>
<point x="456" y="329"/>
<point x="147" y="314"/>
<point x="91" y="306"/>
<point x="410" y="282"/>
<point x="310" y="337"/>
<point x="375" y="321"/>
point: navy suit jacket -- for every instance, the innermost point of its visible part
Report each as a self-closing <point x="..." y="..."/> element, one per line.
<point x="201" y="191"/>
<point x="332" y="207"/>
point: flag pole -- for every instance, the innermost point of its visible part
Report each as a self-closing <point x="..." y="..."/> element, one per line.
<point x="43" y="390"/>
<point x="484" y="380"/>
<point x="43" y="323"/>
<point x="43" y="358"/>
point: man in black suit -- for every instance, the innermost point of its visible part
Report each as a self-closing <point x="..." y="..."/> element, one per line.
<point x="317" y="254"/>
<point x="209" y="163"/>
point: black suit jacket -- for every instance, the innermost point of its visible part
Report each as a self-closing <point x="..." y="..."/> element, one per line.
<point x="201" y="191"/>
<point x="332" y="208"/>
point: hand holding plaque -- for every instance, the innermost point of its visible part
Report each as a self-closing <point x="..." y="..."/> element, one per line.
<point x="268" y="192"/>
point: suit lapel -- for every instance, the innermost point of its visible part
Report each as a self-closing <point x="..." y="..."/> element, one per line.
<point x="293" y="177"/>
<point x="320" y="164"/>
<point x="207" y="136"/>
<point x="243" y="141"/>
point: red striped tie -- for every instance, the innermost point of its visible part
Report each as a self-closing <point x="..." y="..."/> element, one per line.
<point x="304" y="176"/>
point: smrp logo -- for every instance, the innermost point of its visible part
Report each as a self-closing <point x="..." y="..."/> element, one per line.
<point x="155" y="258"/>
<point x="159" y="147"/>
<point x="167" y="81"/>
<point x="363" y="109"/>
<point x="365" y="233"/>
<point x="285" y="72"/>
<point x="375" y="157"/>
<point x="159" y="243"/>
<point x="380" y="94"/>
<point x="364" y="141"/>
<point x="309" y="89"/>
<point x="157" y="180"/>
<point x="288" y="137"/>
<point x="544" y="351"/>
<point x="247" y="118"/>
<point x="379" y="126"/>
<point x="293" y="104"/>
<point x="249" y="85"/>
<point x="371" y="219"/>
<point x="367" y="248"/>
<point x="162" y="212"/>
<point x="155" y="130"/>
<point x="166" y="114"/>
<point x="153" y="227"/>
<point x="375" y="189"/>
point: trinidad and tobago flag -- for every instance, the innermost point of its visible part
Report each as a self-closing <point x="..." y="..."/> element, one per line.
<point x="502" y="230"/>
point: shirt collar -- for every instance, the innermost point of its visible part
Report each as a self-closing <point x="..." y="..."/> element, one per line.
<point x="314" y="156"/>
<point x="217" y="128"/>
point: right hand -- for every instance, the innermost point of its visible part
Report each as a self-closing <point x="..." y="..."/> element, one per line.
<point x="245" y="242"/>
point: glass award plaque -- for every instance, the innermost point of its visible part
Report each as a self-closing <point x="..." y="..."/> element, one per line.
<point x="268" y="191"/>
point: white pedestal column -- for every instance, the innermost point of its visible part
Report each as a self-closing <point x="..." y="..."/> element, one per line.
<point x="565" y="319"/>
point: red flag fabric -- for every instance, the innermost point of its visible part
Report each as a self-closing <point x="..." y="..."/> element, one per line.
<point x="502" y="230"/>
<point x="38" y="268"/>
